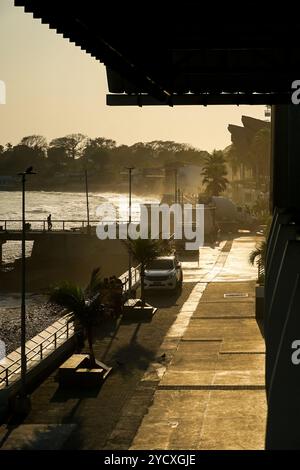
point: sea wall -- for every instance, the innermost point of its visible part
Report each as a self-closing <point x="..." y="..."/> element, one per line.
<point x="64" y="256"/>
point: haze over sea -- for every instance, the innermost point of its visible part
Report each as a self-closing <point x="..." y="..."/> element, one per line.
<point x="62" y="206"/>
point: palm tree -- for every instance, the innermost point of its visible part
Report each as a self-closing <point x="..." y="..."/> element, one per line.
<point x="214" y="172"/>
<point x="144" y="251"/>
<point x="258" y="255"/>
<point x="83" y="305"/>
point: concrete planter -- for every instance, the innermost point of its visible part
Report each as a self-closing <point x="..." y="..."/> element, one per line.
<point x="77" y="372"/>
<point x="134" y="310"/>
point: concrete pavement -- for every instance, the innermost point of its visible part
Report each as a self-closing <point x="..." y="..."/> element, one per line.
<point x="192" y="378"/>
<point x="211" y="395"/>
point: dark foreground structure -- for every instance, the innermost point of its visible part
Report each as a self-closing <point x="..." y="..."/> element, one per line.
<point x="181" y="56"/>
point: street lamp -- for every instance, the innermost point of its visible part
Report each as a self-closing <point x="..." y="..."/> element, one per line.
<point x="23" y="402"/>
<point x="175" y="184"/>
<point x="130" y="168"/>
<point x="87" y="200"/>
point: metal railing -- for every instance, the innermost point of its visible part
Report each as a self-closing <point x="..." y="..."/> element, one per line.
<point x="41" y="225"/>
<point x="135" y="278"/>
<point x="40" y="351"/>
<point x="12" y="371"/>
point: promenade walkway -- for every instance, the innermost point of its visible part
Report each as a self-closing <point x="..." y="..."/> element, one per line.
<point x="211" y="395"/>
<point x="191" y="378"/>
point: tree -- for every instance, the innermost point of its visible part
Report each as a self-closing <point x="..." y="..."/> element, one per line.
<point x="72" y="144"/>
<point x="258" y="255"/>
<point x="34" y="141"/>
<point x="98" y="151"/>
<point x="144" y="251"/>
<point x="57" y="155"/>
<point x="21" y="156"/>
<point x="84" y="306"/>
<point x="214" y="173"/>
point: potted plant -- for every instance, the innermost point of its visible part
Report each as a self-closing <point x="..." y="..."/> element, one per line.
<point x="145" y="250"/>
<point x="85" y="309"/>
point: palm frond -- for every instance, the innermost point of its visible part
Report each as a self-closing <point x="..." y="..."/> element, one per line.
<point x="258" y="254"/>
<point x="144" y="250"/>
<point x="69" y="296"/>
<point x="94" y="285"/>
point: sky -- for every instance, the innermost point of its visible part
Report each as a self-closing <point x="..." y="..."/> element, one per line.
<point x="53" y="88"/>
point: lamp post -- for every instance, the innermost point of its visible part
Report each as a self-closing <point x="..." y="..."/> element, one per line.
<point x="175" y="184"/>
<point x="129" y="220"/>
<point x="87" y="201"/>
<point x="23" y="402"/>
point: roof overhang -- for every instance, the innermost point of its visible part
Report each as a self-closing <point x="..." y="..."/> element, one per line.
<point x="167" y="55"/>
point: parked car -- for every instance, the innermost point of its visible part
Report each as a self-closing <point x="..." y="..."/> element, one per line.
<point x="165" y="272"/>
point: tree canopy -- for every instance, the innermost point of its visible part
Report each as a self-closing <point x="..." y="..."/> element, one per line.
<point x="214" y="173"/>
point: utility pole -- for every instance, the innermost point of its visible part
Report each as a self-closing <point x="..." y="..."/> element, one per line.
<point x="129" y="221"/>
<point x="176" y="184"/>
<point x="23" y="401"/>
<point x="87" y="200"/>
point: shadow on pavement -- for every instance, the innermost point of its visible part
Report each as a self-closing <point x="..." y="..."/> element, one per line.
<point x="163" y="299"/>
<point x="133" y="355"/>
<point x="64" y="394"/>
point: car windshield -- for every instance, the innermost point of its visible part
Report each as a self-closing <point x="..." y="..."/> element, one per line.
<point x="161" y="264"/>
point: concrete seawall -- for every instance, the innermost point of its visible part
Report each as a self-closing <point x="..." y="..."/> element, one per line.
<point x="56" y="257"/>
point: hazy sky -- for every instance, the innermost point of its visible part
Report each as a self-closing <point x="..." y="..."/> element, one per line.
<point x="54" y="88"/>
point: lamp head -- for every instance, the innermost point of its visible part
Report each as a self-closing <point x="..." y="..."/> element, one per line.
<point x="28" y="171"/>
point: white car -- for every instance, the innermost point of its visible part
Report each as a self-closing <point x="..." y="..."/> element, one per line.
<point x="165" y="272"/>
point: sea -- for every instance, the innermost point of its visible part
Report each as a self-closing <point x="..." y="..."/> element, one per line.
<point x="70" y="206"/>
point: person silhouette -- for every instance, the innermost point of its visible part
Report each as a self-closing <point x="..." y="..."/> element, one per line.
<point x="49" y="222"/>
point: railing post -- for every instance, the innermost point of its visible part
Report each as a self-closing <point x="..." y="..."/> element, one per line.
<point x="55" y="340"/>
<point x="63" y="225"/>
<point x="41" y="350"/>
<point x="5" y="225"/>
<point x="44" y="226"/>
<point x="67" y="330"/>
<point x="6" y="376"/>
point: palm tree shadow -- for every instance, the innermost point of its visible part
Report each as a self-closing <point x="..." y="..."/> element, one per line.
<point x="133" y="355"/>
<point x="107" y="327"/>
